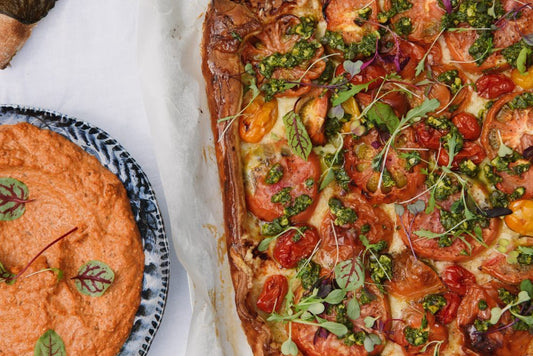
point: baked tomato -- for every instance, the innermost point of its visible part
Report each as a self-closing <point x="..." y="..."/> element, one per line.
<point x="394" y="181"/>
<point x="426" y="234"/>
<point x="295" y="245"/>
<point x="417" y="339"/>
<point x="373" y="74"/>
<point x="412" y="278"/>
<point x="279" y="183"/>
<point x="499" y="339"/>
<point x="458" y="279"/>
<point x="313" y="109"/>
<point x="341" y="16"/>
<point x="498" y="267"/>
<point x="510" y="120"/>
<point x="314" y="341"/>
<point x="468" y="125"/>
<point x="274" y="291"/>
<point x="340" y="239"/>
<point x="470" y="150"/>
<point x="276" y="41"/>
<point x="257" y="119"/>
<point x="448" y="313"/>
<point x="425" y="18"/>
<point x="494" y="85"/>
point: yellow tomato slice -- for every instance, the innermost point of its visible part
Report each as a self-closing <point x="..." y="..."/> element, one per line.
<point x="521" y="220"/>
<point x="525" y="81"/>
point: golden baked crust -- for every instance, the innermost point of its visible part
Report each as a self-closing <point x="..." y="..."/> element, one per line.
<point x="13" y="35"/>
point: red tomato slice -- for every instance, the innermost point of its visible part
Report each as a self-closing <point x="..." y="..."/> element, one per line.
<point x="498" y="267"/>
<point x="412" y="278"/>
<point x="470" y="150"/>
<point x="429" y="247"/>
<point x="425" y="17"/>
<point x="515" y="127"/>
<point x="359" y="155"/>
<point x="340" y="16"/>
<point x="297" y="175"/>
<point x="313" y="343"/>
<point x="346" y="238"/>
<point x="458" y="279"/>
<point x="291" y="247"/>
<point x="274" y="39"/>
<point x="273" y="293"/>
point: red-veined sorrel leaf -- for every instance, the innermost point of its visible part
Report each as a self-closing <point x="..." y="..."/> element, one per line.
<point x="349" y="275"/>
<point x="5" y="275"/>
<point x="297" y="135"/>
<point x="94" y="278"/>
<point x="50" y="344"/>
<point x="13" y="198"/>
<point x="10" y="278"/>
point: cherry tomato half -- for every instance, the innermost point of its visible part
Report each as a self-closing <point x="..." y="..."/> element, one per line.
<point x="373" y="73"/>
<point x="470" y="150"/>
<point x="273" y="293"/>
<point x="492" y="86"/>
<point x="448" y="313"/>
<point x="292" y="246"/>
<point x="427" y="136"/>
<point x="467" y="125"/>
<point x="523" y="80"/>
<point x="458" y="279"/>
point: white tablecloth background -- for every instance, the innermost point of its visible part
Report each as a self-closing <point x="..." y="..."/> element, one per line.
<point x="82" y="61"/>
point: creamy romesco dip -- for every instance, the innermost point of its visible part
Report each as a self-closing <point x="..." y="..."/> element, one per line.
<point x="68" y="188"/>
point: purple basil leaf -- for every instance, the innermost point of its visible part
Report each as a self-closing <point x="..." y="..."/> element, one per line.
<point x="528" y="153"/>
<point x="448" y="5"/>
<point x="321" y="333"/>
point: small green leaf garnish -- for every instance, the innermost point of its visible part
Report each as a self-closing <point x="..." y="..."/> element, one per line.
<point x="343" y="95"/>
<point x="349" y="275"/>
<point x="297" y="135"/>
<point x="94" y="278"/>
<point x="13" y="198"/>
<point x="382" y="115"/>
<point x="50" y="344"/>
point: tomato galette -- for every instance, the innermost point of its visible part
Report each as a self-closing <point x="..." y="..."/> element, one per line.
<point x="375" y="163"/>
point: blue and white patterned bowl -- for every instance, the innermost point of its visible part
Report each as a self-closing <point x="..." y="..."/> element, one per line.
<point x="143" y="203"/>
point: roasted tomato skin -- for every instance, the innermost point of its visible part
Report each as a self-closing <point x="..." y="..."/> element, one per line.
<point x="291" y="247"/>
<point x="273" y="293"/>
<point x="525" y="80"/>
<point x="467" y="125"/>
<point x="458" y="279"/>
<point x="470" y="150"/>
<point x="492" y="86"/>
<point x="448" y="313"/>
<point x="412" y="278"/>
<point x="373" y="73"/>
<point x="427" y="136"/>
<point x="258" y="119"/>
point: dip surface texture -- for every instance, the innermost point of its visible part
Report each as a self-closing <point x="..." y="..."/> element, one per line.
<point x="69" y="188"/>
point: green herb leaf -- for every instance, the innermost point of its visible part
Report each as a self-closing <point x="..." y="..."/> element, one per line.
<point x="504" y="150"/>
<point x="13" y="198"/>
<point x="416" y="207"/>
<point x="382" y="114"/>
<point x="335" y="328"/>
<point x="427" y="234"/>
<point x="289" y="348"/>
<point x="521" y="60"/>
<point x="371" y="340"/>
<point x="50" y="344"/>
<point x="423" y="109"/>
<point x="352" y="67"/>
<point x="328" y="178"/>
<point x="94" y="278"/>
<point x="369" y="321"/>
<point x="399" y="209"/>
<point x="527" y="286"/>
<point x="353" y="310"/>
<point x="6" y="276"/>
<point x="342" y="96"/>
<point x="297" y="135"/>
<point x="335" y="296"/>
<point x="349" y="275"/>
<point x="316" y="308"/>
<point x="263" y="245"/>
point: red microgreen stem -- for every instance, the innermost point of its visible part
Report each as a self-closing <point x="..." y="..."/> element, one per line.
<point x="41" y="252"/>
<point x="396" y="44"/>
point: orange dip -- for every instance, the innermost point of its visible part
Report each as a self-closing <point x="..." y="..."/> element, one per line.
<point x="70" y="189"/>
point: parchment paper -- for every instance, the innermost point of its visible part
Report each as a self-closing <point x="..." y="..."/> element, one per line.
<point x="169" y="58"/>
